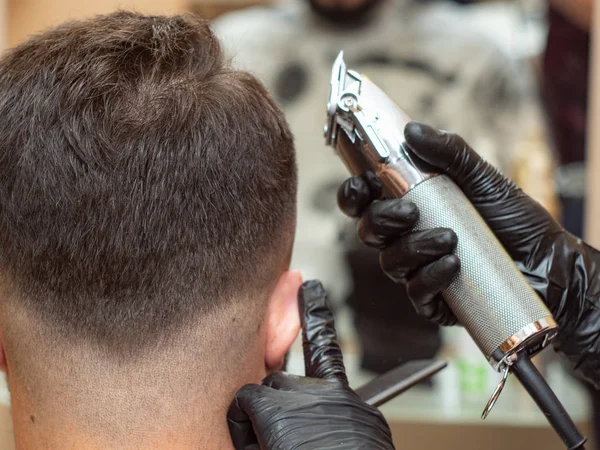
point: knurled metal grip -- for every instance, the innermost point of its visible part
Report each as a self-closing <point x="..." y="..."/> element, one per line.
<point x="489" y="296"/>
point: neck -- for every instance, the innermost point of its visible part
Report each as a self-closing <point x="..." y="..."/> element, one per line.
<point x="175" y="397"/>
<point x="52" y="433"/>
<point x="28" y="436"/>
<point x="140" y="413"/>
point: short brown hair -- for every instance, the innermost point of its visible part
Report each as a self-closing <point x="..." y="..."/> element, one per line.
<point x="142" y="180"/>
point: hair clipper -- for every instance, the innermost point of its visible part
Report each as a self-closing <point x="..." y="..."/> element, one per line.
<point x="490" y="297"/>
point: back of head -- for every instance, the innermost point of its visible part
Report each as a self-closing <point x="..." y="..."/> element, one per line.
<point x="147" y="192"/>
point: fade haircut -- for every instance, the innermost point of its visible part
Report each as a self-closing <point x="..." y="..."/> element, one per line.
<point x="143" y="181"/>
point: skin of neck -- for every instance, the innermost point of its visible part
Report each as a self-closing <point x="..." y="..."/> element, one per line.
<point x="174" y="396"/>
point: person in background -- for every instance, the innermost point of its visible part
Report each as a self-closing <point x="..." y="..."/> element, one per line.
<point x="433" y="61"/>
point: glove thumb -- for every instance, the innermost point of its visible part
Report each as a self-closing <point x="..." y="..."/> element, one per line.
<point x="450" y="153"/>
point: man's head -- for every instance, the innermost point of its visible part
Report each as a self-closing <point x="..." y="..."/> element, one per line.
<point x="147" y="210"/>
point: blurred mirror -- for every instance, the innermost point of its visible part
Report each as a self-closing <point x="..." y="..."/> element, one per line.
<point x="489" y="71"/>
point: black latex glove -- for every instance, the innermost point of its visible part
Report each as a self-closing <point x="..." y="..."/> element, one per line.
<point x="318" y="411"/>
<point x="561" y="268"/>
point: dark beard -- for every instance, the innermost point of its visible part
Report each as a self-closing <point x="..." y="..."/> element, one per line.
<point x="346" y="17"/>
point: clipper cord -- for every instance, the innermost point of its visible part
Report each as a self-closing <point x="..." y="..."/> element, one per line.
<point x="537" y="387"/>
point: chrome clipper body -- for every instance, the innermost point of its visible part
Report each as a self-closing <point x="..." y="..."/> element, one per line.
<point x="367" y="131"/>
<point x="490" y="297"/>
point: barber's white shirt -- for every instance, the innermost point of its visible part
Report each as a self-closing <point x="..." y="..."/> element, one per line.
<point x="436" y="60"/>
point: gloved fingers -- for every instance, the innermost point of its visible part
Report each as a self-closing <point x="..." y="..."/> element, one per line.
<point x="416" y="250"/>
<point x="356" y="193"/>
<point x="322" y="353"/>
<point x="436" y="310"/>
<point x="353" y="196"/>
<point x="239" y="417"/>
<point x="444" y="150"/>
<point x="478" y="179"/>
<point x="282" y="381"/>
<point x="425" y="286"/>
<point x="384" y="221"/>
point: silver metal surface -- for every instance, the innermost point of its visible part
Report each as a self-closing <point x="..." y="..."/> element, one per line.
<point x="546" y="327"/>
<point x="490" y="297"/>
<point x="366" y="129"/>
<point x="496" y="394"/>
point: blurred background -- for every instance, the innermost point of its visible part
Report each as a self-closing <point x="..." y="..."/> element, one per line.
<point x="511" y="77"/>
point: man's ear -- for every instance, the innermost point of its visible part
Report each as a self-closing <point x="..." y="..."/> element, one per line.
<point x="283" y="319"/>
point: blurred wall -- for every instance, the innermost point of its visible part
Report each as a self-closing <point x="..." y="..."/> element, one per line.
<point x="3" y="25"/>
<point x="25" y="17"/>
<point x="592" y="207"/>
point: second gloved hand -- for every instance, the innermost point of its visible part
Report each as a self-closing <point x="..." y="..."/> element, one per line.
<point x="561" y="268"/>
<point x="319" y="411"/>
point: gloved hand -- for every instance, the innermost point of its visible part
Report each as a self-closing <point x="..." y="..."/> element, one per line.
<point x="561" y="268"/>
<point x="318" y="411"/>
